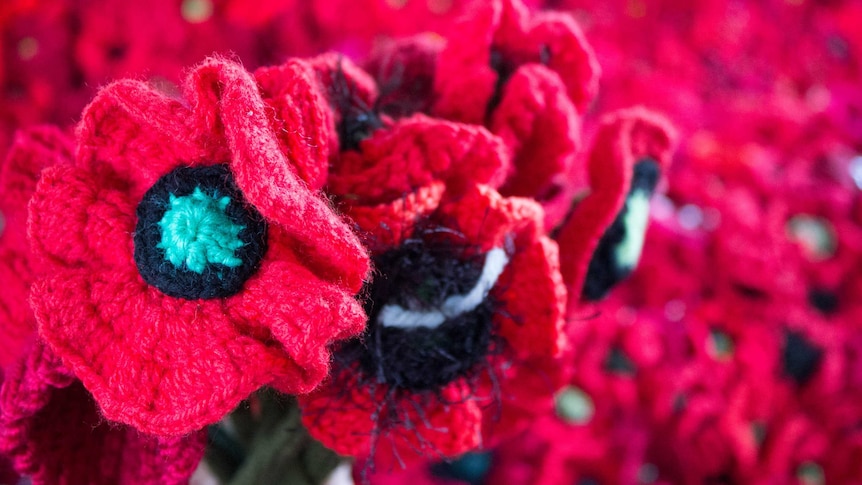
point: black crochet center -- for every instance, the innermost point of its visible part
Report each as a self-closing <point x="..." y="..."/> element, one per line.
<point x="420" y="277"/>
<point x="605" y="271"/>
<point x="216" y="280"/>
<point x="800" y="357"/>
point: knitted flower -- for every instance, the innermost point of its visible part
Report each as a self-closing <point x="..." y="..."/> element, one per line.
<point x="527" y="77"/>
<point x="602" y="238"/>
<point x="466" y="284"/>
<point x="187" y="264"/>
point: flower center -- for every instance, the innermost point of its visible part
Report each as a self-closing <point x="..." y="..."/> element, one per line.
<point x="196" y="236"/>
<point x="430" y="316"/>
<point x="196" y="232"/>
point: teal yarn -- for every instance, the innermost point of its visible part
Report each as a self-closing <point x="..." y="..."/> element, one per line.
<point x="196" y="231"/>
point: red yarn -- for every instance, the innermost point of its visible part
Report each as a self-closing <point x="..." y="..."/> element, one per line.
<point x="430" y="175"/>
<point x="32" y="150"/>
<point x="51" y="429"/>
<point x="528" y="77"/>
<point x="623" y="138"/>
<point x="165" y="365"/>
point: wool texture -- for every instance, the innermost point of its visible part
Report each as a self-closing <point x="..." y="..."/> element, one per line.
<point x="169" y="365"/>
<point x="52" y="430"/>
<point x="527" y="76"/>
<point x="32" y="151"/>
<point x="431" y="190"/>
<point x="623" y="139"/>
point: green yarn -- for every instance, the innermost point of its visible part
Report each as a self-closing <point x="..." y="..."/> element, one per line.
<point x="196" y="231"/>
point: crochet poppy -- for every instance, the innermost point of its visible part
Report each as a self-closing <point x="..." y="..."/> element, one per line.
<point x="602" y="239"/>
<point x="466" y="287"/>
<point x="527" y="77"/>
<point x="186" y="263"/>
<point x="52" y="430"/>
<point x="33" y="150"/>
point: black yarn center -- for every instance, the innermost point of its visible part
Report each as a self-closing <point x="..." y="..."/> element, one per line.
<point x="801" y="358"/>
<point x="420" y="277"/>
<point x="605" y="270"/>
<point x="215" y="280"/>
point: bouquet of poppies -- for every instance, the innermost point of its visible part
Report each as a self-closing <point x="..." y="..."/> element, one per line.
<point x="429" y="242"/>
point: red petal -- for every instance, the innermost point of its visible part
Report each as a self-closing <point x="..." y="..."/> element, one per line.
<point x="623" y="138"/>
<point x="139" y="132"/>
<point x="532" y="298"/>
<point x="54" y="433"/>
<point x="303" y="122"/>
<point x="414" y="152"/>
<point x="287" y="303"/>
<point x="387" y="225"/>
<point x="488" y="220"/>
<point x="540" y="126"/>
<point x="267" y="179"/>
<point x="79" y="218"/>
<point x="358" y="421"/>
<point x="163" y="365"/>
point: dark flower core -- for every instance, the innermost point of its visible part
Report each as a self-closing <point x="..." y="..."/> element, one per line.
<point x="430" y="317"/>
<point x="196" y="236"/>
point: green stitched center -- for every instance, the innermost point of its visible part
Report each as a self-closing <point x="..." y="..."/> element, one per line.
<point x="196" y="231"/>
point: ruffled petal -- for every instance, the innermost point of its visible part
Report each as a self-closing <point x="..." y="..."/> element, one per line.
<point x="79" y="218"/>
<point x="388" y="225"/>
<point x="266" y="177"/>
<point x="302" y="122"/>
<point x="414" y="152"/>
<point x="624" y="138"/>
<point x="140" y="133"/>
<point x="290" y="306"/>
<point x="484" y="218"/>
<point x="33" y="149"/>
<point x="53" y="432"/>
<point x="532" y="298"/>
<point x="163" y="365"/>
<point x="541" y="127"/>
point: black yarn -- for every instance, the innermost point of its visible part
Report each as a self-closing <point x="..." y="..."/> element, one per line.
<point x="217" y="280"/>
<point x="800" y="357"/>
<point x="605" y="271"/>
<point x="421" y="276"/>
<point x="505" y="69"/>
<point x="470" y="468"/>
<point x="617" y="362"/>
<point x="358" y="119"/>
<point x="824" y="300"/>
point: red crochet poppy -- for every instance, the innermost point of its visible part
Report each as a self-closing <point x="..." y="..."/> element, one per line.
<point x="33" y="150"/>
<point x="52" y="430"/>
<point x="187" y="264"/>
<point x="466" y="288"/>
<point x="602" y="238"/>
<point x="527" y="77"/>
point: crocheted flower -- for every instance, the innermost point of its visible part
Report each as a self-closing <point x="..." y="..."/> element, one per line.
<point x="466" y="288"/>
<point x="602" y="238"/>
<point x="187" y="264"/>
<point x="52" y="430"/>
<point x="527" y="77"/>
<point x="33" y="150"/>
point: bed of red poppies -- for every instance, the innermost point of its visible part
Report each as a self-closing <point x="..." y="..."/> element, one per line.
<point x="483" y="242"/>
